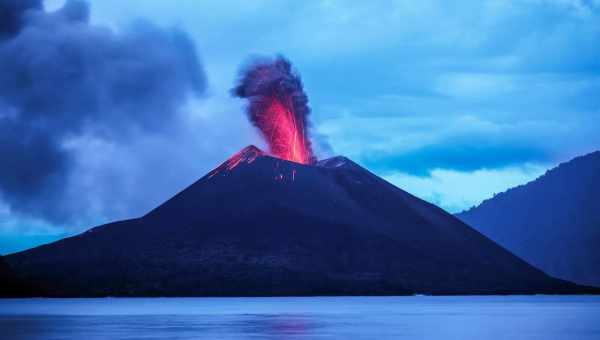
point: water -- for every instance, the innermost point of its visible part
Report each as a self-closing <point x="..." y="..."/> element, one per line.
<point x="515" y="317"/>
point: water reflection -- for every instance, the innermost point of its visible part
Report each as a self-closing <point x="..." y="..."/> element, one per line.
<point x="282" y="327"/>
<point x="278" y="326"/>
<point x="538" y="317"/>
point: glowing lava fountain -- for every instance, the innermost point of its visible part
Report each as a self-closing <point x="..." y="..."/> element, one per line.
<point x="278" y="107"/>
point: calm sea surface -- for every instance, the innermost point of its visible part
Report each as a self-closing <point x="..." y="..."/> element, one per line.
<point x="515" y="317"/>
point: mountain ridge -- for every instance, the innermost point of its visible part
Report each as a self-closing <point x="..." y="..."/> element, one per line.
<point x="556" y="211"/>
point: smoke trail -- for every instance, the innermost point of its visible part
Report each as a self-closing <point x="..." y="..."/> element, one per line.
<point x="278" y="107"/>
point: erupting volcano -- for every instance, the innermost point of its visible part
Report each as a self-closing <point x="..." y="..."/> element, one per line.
<point x="261" y="225"/>
<point x="278" y="107"/>
<point x="285" y="225"/>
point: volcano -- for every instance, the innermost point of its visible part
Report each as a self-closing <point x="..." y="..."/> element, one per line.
<point x="263" y="226"/>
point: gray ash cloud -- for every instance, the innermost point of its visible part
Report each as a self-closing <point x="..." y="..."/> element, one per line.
<point x="63" y="78"/>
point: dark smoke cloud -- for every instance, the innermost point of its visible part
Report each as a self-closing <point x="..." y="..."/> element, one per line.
<point x="12" y="15"/>
<point x="62" y="78"/>
<point x="263" y="79"/>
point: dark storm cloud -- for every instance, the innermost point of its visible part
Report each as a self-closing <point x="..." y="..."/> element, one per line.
<point x="63" y="78"/>
<point x="12" y="15"/>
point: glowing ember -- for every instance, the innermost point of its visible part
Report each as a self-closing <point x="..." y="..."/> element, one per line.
<point x="247" y="155"/>
<point x="278" y="108"/>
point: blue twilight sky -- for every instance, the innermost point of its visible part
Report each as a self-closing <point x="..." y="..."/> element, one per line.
<point x="451" y="101"/>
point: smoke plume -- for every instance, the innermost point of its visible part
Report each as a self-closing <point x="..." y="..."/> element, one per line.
<point x="278" y="107"/>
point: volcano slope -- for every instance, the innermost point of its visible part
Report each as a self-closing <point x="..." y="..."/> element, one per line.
<point x="263" y="226"/>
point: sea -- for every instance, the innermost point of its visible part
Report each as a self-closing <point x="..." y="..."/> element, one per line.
<point x="408" y="317"/>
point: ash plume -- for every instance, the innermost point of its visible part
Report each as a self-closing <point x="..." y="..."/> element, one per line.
<point x="278" y="107"/>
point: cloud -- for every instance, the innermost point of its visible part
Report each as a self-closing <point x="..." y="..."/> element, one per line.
<point x="152" y="167"/>
<point x="461" y="156"/>
<point x="419" y="145"/>
<point x="63" y="79"/>
<point x="455" y="191"/>
<point x="12" y="15"/>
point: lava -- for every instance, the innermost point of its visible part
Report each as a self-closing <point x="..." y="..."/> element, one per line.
<point x="278" y="107"/>
<point x="248" y="155"/>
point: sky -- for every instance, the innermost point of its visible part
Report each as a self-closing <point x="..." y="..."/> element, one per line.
<point x="110" y="107"/>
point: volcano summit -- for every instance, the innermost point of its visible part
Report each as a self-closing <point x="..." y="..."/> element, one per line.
<point x="260" y="225"/>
